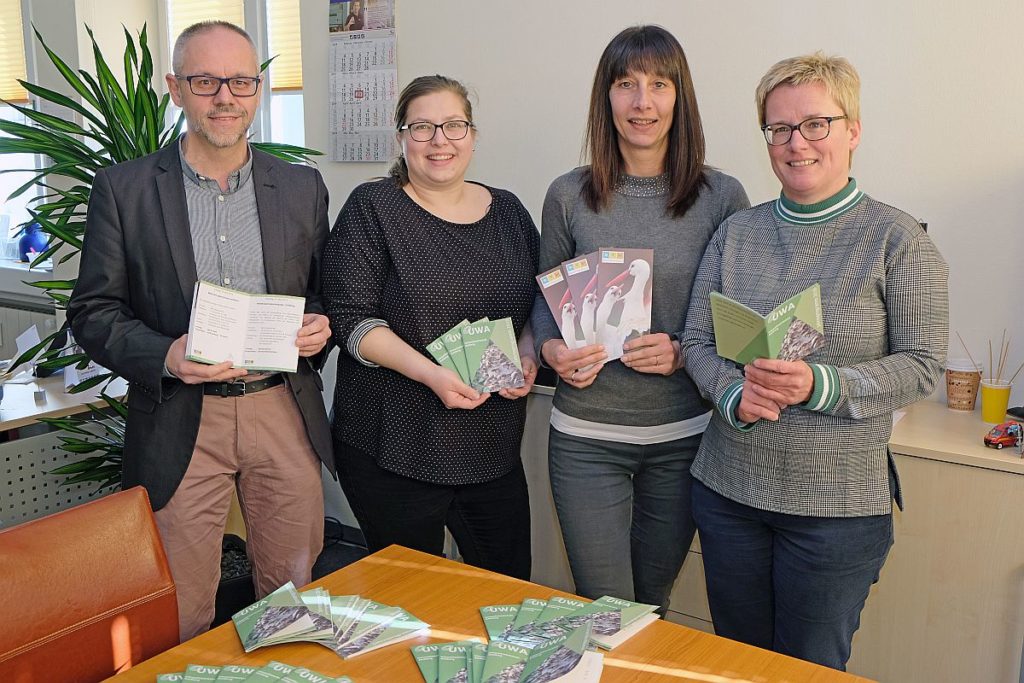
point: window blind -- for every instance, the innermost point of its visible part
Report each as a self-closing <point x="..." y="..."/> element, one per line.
<point x="285" y="42"/>
<point x="12" y="52"/>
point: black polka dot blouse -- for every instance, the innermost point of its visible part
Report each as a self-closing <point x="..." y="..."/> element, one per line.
<point x="389" y="259"/>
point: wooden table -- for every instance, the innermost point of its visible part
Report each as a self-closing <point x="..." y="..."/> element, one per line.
<point x="447" y="595"/>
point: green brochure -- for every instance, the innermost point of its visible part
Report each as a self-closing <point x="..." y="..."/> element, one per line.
<point x="453" y="663"/>
<point x="280" y="614"/>
<point x="345" y="613"/>
<point x="504" y="663"/>
<point x="556" y="657"/>
<point x="200" y="673"/>
<point x="440" y="353"/>
<point x="477" y="656"/>
<point x="527" y="630"/>
<point x="550" y="623"/>
<point x="301" y="674"/>
<point x="453" y="342"/>
<point x="492" y="355"/>
<point x="529" y="610"/>
<point x="633" y="617"/>
<point x="791" y="331"/>
<point x="401" y="626"/>
<point x="426" y="660"/>
<point x="171" y="678"/>
<point x="234" y="673"/>
<point x="558" y="607"/>
<point x="498" y="619"/>
<point x="271" y="672"/>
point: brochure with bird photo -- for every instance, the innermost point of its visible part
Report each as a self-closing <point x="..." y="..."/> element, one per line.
<point x="555" y="287"/>
<point x="624" y="292"/>
<point x="790" y="331"/>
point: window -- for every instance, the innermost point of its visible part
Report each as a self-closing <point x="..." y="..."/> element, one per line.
<point x="281" y="109"/>
<point x="12" y="69"/>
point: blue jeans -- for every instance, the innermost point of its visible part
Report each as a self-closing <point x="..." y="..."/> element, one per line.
<point x="788" y="583"/>
<point x="625" y="513"/>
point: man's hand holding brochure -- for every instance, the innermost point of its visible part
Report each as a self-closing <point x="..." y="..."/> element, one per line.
<point x="253" y="331"/>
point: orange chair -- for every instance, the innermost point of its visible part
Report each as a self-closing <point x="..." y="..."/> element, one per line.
<point x="85" y="593"/>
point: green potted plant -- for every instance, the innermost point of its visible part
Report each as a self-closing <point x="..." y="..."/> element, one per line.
<point x="118" y="123"/>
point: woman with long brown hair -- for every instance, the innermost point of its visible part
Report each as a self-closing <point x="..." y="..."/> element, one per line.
<point x="623" y="435"/>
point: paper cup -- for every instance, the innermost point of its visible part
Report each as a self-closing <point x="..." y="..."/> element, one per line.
<point x="962" y="381"/>
<point x="995" y="397"/>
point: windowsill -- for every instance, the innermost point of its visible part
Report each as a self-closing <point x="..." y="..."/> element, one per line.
<point x="14" y="274"/>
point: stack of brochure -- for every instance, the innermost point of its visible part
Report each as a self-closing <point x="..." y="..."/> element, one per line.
<point x="234" y="673"/>
<point x="603" y="297"/>
<point x="563" y="658"/>
<point x="485" y="354"/>
<point x="537" y="641"/>
<point x="348" y="624"/>
<point x="534" y="621"/>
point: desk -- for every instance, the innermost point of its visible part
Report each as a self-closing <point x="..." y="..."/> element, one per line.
<point x="19" y="407"/>
<point x="447" y="595"/>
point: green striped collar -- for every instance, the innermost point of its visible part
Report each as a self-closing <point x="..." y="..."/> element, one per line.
<point x="820" y="212"/>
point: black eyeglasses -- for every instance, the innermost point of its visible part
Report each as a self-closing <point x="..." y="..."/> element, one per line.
<point x="812" y="130"/>
<point x="423" y="131"/>
<point x="208" y="86"/>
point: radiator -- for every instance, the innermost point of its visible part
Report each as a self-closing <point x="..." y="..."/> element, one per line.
<point x="15" y="318"/>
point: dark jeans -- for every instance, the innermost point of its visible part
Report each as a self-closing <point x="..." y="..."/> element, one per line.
<point x="788" y="583"/>
<point x="624" y="510"/>
<point x="490" y="521"/>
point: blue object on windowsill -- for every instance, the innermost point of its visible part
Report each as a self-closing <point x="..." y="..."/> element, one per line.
<point x="32" y="242"/>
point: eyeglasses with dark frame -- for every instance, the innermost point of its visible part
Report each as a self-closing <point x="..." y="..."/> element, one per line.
<point x="812" y="129"/>
<point x="424" y="131"/>
<point x="207" y="86"/>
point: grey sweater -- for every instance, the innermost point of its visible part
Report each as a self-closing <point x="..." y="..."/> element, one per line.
<point x="569" y="228"/>
<point x="885" y="309"/>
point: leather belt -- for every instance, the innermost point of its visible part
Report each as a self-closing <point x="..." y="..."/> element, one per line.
<point x="230" y="389"/>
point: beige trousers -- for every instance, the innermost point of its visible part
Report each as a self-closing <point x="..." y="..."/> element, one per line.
<point x="257" y="445"/>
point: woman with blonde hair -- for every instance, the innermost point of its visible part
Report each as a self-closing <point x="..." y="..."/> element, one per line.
<point x="794" y="482"/>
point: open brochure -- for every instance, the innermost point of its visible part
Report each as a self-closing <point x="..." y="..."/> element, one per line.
<point x="254" y="331"/>
<point x="791" y="331"/>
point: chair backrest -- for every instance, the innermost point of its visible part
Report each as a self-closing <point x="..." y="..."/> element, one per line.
<point x="85" y="593"/>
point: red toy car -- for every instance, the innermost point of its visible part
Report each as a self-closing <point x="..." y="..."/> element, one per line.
<point x="1005" y="434"/>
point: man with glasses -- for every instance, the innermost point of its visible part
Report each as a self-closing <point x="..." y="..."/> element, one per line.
<point x="208" y="207"/>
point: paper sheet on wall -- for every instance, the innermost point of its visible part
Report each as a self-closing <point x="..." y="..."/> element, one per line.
<point x="363" y="80"/>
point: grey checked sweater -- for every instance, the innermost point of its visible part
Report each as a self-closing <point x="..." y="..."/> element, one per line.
<point x="569" y="228"/>
<point x="885" y="306"/>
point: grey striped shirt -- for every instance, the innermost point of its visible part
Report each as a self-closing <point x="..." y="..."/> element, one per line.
<point x="225" y="228"/>
<point x="884" y="300"/>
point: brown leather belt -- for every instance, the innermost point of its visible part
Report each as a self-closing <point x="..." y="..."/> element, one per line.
<point x="230" y="389"/>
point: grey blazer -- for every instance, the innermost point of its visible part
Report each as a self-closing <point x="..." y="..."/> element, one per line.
<point x="134" y="292"/>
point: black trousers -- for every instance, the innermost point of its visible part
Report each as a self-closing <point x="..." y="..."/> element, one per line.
<point x="490" y="521"/>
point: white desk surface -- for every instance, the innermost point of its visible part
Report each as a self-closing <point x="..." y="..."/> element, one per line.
<point x="931" y="430"/>
<point x="19" y="407"/>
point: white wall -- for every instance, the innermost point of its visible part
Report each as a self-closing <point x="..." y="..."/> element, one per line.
<point x="941" y="103"/>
